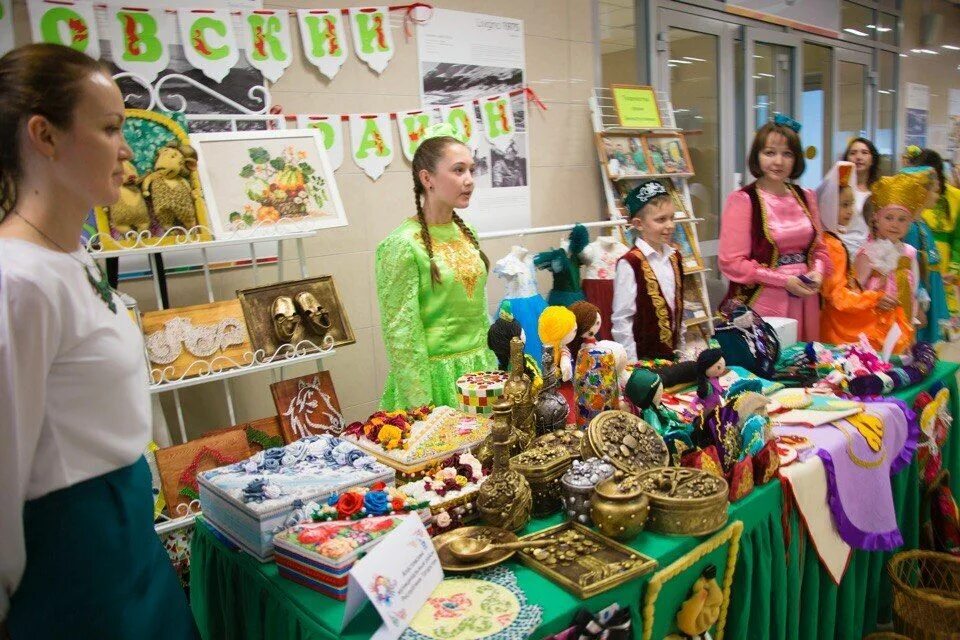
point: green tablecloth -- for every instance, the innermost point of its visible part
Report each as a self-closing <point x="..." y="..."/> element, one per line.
<point x="779" y="591"/>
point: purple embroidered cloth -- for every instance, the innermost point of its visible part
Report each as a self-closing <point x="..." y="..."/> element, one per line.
<point x="858" y="487"/>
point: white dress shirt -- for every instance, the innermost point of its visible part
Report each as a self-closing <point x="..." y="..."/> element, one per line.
<point x="74" y="402"/>
<point x="625" y="293"/>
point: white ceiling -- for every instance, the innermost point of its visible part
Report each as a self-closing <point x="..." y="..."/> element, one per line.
<point x="616" y="25"/>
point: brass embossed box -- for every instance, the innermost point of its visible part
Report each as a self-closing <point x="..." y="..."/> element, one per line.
<point x="584" y="562"/>
<point x="543" y="467"/>
<point x="627" y="441"/>
<point x="685" y="501"/>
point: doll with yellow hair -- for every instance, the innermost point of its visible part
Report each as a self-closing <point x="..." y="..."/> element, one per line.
<point x="886" y="263"/>
<point x="557" y="328"/>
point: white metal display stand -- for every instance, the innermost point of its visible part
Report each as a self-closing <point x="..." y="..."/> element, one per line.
<point x="603" y="116"/>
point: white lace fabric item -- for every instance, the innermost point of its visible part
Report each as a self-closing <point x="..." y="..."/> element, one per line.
<point x="201" y="341"/>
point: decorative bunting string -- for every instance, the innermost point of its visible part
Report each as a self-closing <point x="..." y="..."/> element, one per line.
<point x="140" y="38"/>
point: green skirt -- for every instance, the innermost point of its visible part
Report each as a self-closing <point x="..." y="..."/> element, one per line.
<point x="444" y="372"/>
<point x="95" y="566"/>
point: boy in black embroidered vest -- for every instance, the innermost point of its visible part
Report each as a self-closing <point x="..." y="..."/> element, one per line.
<point x="648" y="290"/>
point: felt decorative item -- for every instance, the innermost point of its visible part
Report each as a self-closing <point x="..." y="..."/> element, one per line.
<point x="706" y="459"/>
<point x="741" y="479"/>
<point x="564" y="263"/>
<point x="721" y="429"/>
<point x="329" y="126"/>
<point x="371" y="142"/>
<point x="478" y="392"/>
<point x="372" y="37"/>
<point x="324" y="39"/>
<point x="209" y="41"/>
<point x="753" y="435"/>
<point x="766" y="463"/>
<point x="701" y="610"/>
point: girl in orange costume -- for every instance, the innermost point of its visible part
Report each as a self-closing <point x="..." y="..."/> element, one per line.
<point x="848" y="310"/>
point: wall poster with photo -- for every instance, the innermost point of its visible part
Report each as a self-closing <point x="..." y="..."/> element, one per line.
<point x="468" y="56"/>
<point x="669" y="154"/>
<point x="261" y="183"/>
<point x="624" y="155"/>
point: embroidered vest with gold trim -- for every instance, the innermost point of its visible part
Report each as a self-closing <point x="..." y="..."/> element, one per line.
<point x="762" y="248"/>
<point x="656" y="329"/>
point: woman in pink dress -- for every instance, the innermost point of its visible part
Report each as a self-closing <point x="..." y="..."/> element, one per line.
<point x="771" y="242"/>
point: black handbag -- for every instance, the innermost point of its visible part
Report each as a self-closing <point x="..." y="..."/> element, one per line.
<point x="746" y="339"/>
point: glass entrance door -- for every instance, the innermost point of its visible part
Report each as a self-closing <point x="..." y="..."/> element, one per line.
<point x="854" y="97"/>
<point x="772" y="78"/>
<point x="694" y="63"/>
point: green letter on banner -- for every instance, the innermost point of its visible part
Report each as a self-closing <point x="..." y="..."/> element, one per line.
<point x="371" y="31"/>
<point x="497" y="120"/>
<point x="415" y="128"/>
<point x="264" y="32"/>
<point x="199" y="43"/>
<point x="372" y="139"/>
<point x="79" y="30"/>
<point x="140" y="37"/>
<point x="461" y="123"/>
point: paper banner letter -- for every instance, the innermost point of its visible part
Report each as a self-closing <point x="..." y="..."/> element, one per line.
<point x="412" y="127"/>
<point x="6" y="26"/>
<point x="370" y="142"/>
<point x="461" y="117"/>
<point x="267" y="41"/>
<point x="372" y="39"/>
<point x="209" y="41"/>
<point x="68" y="23"/>
<point x="498" y="125"/>
<point x="324" y="40"/>
<point x="331" y="130"/>
<point x="138" y="40"/>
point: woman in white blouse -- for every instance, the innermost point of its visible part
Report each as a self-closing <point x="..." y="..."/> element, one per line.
<point x="79" y="557"/>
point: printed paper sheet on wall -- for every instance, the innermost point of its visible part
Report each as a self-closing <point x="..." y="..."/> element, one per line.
<point x="470" y="56"/>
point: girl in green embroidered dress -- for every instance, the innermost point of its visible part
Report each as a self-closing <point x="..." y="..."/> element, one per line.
<point x="431" y="283"/>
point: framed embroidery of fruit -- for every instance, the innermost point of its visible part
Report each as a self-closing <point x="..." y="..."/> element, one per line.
<point x="179" y="465"/>
<point x="307" y="406"/>
<point x="160" y="200"/>
<point x="264" y="183"/>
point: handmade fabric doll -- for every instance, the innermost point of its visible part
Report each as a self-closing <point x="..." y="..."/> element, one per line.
<point x="921" y="237"/>
<point x="710" y="366"/>
<point x="564" y="263"/>
<point x="588" y="325"/>
<point x="558" y="328"/>
<point x="599" y="259"/>
<point x="595" y="382"/>
<point x="885" y="263"/>
<point x="501" y="332"/>
<point x="847" y="309"/>
<point x="519" y="276"/>
<point x="645" y="390"/>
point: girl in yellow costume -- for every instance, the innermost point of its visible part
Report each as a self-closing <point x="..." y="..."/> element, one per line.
<point x="943" y="218"/>
<point x="885" y="263"/>
<point x="847" y="310"/>
<point x="431" y="283"/>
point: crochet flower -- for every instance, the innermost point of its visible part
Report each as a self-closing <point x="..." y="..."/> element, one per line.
<point x="397" y="505"/>
<point x="349" y="504"/>
<point x="390" y="437"/>
<point x="443" y="520"/>
<point x="376" y="503"/>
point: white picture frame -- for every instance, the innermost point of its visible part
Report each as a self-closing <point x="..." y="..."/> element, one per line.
<point x="267" y="183"/>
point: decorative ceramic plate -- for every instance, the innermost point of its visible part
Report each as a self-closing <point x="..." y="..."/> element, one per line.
<point x="486" y="606"/>
<point x="451" y="563"/>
